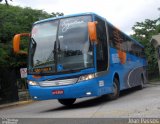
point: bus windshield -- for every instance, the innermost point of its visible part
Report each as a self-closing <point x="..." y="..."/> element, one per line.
<point x="60" y="45"/>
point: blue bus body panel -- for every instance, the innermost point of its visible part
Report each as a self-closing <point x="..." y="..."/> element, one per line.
<point x="130" y="72"/>
<point x="129" y="76"/>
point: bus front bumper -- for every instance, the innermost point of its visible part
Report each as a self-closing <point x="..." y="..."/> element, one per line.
<point x="77" y="90"/>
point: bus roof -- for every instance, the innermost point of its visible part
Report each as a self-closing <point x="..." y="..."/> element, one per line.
<point x="83" y="14"/>
<point x="65" y="16"/>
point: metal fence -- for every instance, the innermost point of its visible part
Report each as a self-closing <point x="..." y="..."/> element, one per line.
<point x="153" y="75"/>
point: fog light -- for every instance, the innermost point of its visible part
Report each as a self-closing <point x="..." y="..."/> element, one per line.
<point x="35" y="97"/>
<point x="88" y="93"/>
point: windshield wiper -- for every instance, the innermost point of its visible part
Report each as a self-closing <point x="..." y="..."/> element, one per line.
<point x="34" y="45"/>
<point x="32" y="50"/>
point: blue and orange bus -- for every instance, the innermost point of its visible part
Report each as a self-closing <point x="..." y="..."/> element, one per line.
<point x="81" y="55"/>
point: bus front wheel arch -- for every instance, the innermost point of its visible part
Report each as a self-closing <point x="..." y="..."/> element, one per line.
<point x="67" y="102"/>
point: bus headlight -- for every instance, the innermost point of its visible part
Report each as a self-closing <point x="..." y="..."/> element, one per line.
<point x="86" y="77"/>
<point x="33" y="83"/>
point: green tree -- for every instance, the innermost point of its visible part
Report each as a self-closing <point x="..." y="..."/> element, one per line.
<point x="143" y="32"/>
<point x="6" y="1"/>
<point x="14" y="20"/>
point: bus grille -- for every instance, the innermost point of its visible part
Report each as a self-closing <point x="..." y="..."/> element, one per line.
<point x="58" y="82"/>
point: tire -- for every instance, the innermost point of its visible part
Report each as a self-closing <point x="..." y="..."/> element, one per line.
<point x="66" y="102"/>
<point x="141" y="86"/>
<point x="115" y="93"/>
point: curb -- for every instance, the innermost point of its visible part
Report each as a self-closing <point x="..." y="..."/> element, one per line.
<point x="8" y="105"/>
<point x="154" y="83"/>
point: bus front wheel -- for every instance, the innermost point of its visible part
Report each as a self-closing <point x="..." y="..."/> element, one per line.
<point x="66" y="102"/>
<point x="115" y="93"/>
<point x="141" y="86"/>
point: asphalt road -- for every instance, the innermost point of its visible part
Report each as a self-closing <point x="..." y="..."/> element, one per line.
<point x="131" y="104"/>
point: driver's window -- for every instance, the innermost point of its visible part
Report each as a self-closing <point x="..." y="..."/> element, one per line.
<point x="102" y="49"/>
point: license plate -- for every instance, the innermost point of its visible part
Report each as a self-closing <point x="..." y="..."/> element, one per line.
<point x="57" y="92"/>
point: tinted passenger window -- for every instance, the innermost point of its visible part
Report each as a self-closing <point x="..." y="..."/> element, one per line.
<point x="117" y="39"/>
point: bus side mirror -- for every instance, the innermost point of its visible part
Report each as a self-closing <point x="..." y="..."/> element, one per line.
<point x="16" y="43"/>
<point x="92" y="31"/>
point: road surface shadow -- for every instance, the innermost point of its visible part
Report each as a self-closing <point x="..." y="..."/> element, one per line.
<point x="96" y="101"/>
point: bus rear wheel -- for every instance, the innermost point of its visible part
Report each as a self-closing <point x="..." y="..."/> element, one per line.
<point x="115" y="93"/>
<point x="66" y="102"/>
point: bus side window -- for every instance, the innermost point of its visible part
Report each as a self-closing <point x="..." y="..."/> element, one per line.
<point x="115" y="37"/>
<point x="111" y="36"/>
<point x="102" y="49"/>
